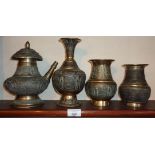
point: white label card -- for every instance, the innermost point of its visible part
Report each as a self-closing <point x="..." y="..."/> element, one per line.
<point x="74" y="112"/>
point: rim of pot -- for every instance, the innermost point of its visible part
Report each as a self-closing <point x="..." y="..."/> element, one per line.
<point x="101" y="60"/>
<point x="135" y="65"/>
<point x="71" y="38"/>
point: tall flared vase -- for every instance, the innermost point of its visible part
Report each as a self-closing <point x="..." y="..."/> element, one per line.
<point x="101" y="87"/>
<point x="69" y="80"/>
<point x="134" y="90"/>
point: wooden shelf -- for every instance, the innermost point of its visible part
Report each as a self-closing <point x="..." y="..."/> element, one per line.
<point x="50" y="109"/>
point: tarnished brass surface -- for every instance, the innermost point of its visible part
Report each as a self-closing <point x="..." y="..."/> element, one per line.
<point x="134" y="85"/>
<point x="134" y="90"/>
<point x="68" y="101"/>
<point x="69" y="80"/>
<point x="134" y="105"/>
<point x="135" y="66"/>
<point x="27" y="83"/>
<point x="27" y="97"/>
<point x="27" y="102"/>
<point x="110" y="82"/>
<point x="100" y="103"/>
<point x="101" y="87"/>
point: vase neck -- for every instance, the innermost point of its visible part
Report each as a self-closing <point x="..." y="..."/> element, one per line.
<point x="101" y="70"/>
<point x="134" y="74"/>
<point x="69" y="44"/>
<point x="27" y="67"/>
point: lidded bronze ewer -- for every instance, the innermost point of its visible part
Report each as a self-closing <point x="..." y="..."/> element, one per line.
<point x="27" y="82"/>
<point x="101" y="87"/>
<point x="69" y="80"/>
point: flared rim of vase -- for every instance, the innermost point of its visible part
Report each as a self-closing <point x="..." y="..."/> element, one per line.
<point x="69" y="38"/>
<point x="135" y="65"/>
<point x="101" y="60"/>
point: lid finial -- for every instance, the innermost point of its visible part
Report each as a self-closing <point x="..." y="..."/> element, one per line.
<point x="27" y="44"/>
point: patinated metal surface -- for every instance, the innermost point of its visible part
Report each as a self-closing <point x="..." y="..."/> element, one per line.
<point x="134" y="89"/>
<point x="100" y="87"/>
<point x="27" y="82"/>
<point x="69" y="80"/>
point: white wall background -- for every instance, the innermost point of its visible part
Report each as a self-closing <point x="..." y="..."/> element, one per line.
<point x="1" y="69"/>
<point x="122" y="49"/>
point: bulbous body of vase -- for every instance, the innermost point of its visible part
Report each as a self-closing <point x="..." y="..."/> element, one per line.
<point x="134" y="90"/>
<point x="69" y="80"/>
<point x="100" y="87"/>
<point x="27" y="82"/>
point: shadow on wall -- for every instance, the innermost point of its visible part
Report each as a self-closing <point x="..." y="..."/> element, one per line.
<point x="1" y="68"/>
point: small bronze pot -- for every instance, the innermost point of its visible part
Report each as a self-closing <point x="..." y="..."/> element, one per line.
<point x="101" y="87"/>
<point x="69" y="80"/>
<point x="134" y="90"/>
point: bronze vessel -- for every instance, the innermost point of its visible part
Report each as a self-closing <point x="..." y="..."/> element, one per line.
<point x="101" y="87"/>
<point x="69" y="80"/>
<point x="134" y="90"/>
<point x="27" y="82"/>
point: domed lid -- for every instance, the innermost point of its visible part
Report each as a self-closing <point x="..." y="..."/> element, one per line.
<point x="27" y="52"/>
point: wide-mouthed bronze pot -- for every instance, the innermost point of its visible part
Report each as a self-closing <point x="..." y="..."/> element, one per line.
<point x="101" y="87"/>
<point x="134" y="90"/>
<point x="69" y="80"/>
<point x="27" y="83"/>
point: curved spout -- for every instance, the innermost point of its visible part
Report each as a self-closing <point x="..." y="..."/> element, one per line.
<point x="49" y="74"/>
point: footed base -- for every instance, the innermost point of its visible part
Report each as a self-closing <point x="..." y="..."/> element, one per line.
<point x="68" y="101"/>
<point x="100" y="103"/>
<point x="135" y="105"/>
<point x="27" y="102"/>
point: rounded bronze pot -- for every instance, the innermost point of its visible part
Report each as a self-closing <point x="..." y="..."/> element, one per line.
<point x="134" y="90"/>
<point x="100" y="87"/>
